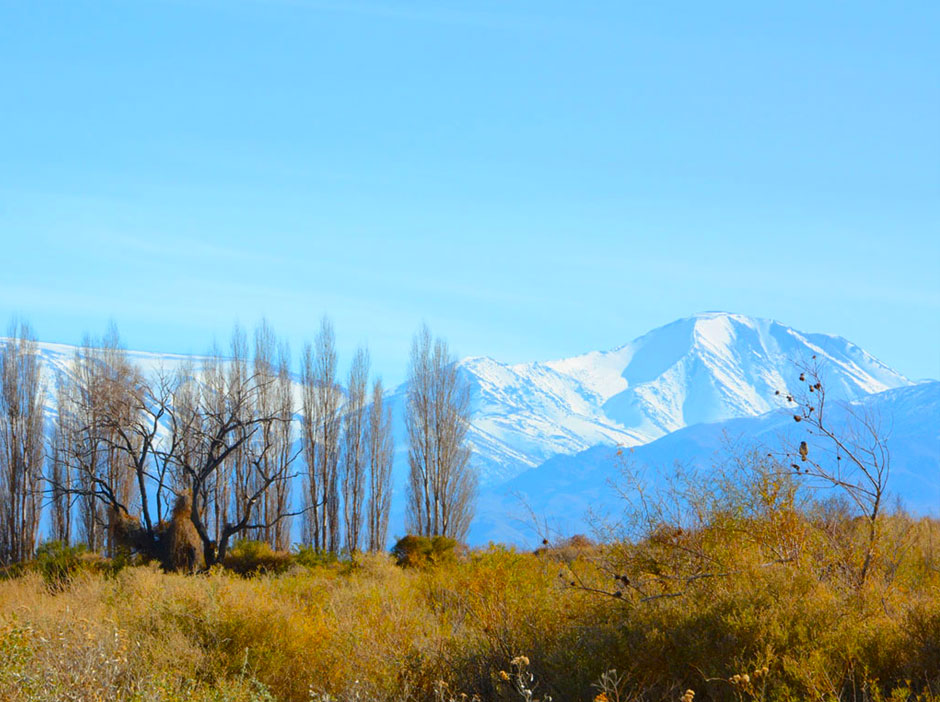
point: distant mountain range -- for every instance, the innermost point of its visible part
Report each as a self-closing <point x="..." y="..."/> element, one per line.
<point x="545" y="433"/>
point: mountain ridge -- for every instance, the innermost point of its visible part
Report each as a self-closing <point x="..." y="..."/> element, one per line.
<point x="702" y="368"/>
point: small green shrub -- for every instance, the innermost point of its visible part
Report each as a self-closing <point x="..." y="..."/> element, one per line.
<point x="58" y="562"/>
<point x="309" y="557"/>
<point x="413" y="551"/>
<point x="249" y="557"/>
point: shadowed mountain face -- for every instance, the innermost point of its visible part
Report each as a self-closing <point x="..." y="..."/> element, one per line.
<point x="706" y="368"/>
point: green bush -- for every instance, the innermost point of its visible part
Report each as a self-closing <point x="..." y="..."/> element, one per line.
<point x="247" y="557"/>
<point x="59" y="563"/>
<point x="309" y="557"/>
<point x="413" y="551"/>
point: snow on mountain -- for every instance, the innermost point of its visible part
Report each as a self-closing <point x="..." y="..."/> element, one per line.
<point x="523" y="414"/>
<point x="57" y="365"/>
<point x="705" y="368"/>
<point x="571" y="493"/>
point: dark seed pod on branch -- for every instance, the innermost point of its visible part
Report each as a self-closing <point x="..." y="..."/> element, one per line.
<point x="797" y="418"/>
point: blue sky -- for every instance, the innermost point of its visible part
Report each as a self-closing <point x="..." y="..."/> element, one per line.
<point x="533" y="179"/>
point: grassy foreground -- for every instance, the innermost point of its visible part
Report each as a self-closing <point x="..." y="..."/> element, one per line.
<point x="480" y="624"/>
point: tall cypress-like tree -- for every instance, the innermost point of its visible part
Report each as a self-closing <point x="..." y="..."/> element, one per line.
<point x="354" y="449"/>
<point x="320" y="433"/>
<point x="442" y="484"/>
<point x="380" y="450"/>
<point x="21" y="443"/>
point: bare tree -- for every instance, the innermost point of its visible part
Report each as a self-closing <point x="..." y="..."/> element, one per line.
<point x="309" y="432"/>
<point x="354" y="449"/>
<point x="285" y="454"/>
<point x="60" y="466"/>
<point x="852" y="455"/>
<point x="199" y="400"/>
<point x="222" y="428"/>
<point x="442" y="484"/>
<point x="103" y="429"/>
<point x="275" y="404"/>
<point x="241" y="394"/>
<point x="85" y="406"/>
<point x="21" y="443"/>
<point x="200" y="443"/>
<point x="230" y="443"/>
<point x="95" y="407"/>
<point x="321" y="430"/>
<point x="380" y="452"/>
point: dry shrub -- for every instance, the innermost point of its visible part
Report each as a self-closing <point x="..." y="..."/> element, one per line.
<point x="248" y="557"/>
<point x="569" y="549"/>
<point x="175" y="544"/>
<point x="499" y="604"/>
<point x="84" y="643"/>
<point x="182" y="545"/>
<point x="414" y="551"/>
<point x="749" y="574"/>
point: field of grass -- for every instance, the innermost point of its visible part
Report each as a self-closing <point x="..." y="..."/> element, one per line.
<point x="760" y="602"/>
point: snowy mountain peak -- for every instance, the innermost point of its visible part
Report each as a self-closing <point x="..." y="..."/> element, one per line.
<point x="704" y="368"/>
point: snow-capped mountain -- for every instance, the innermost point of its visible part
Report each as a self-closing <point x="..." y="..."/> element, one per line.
<point x="705" y="368"/>
<point x="572" y="494"/>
